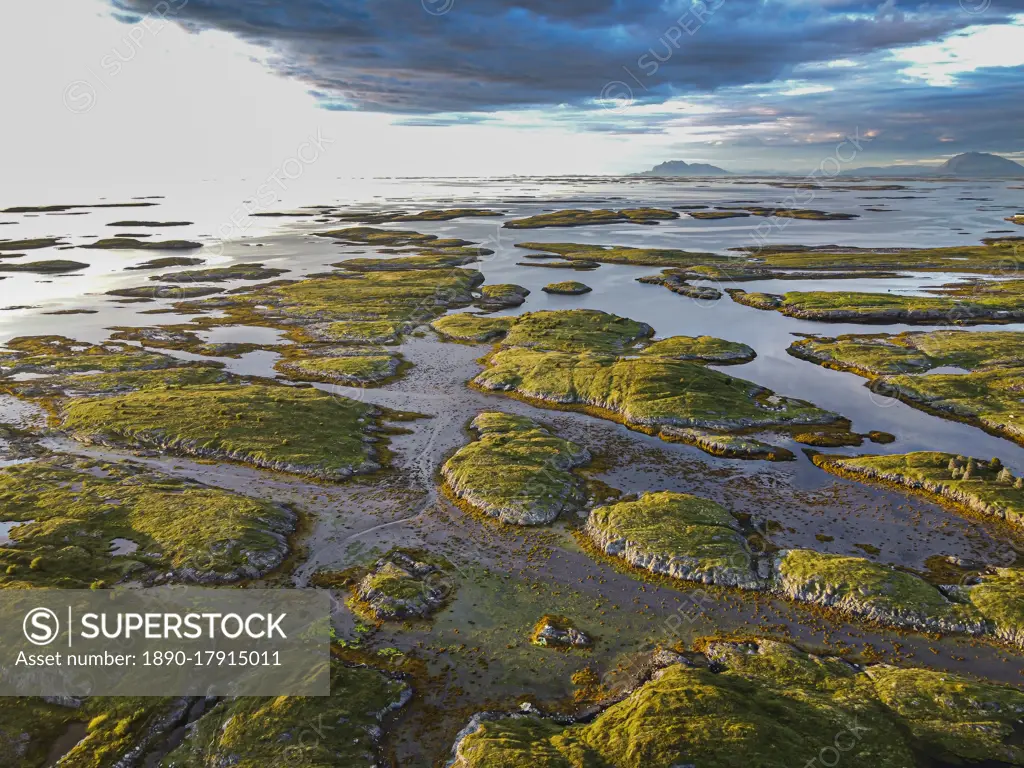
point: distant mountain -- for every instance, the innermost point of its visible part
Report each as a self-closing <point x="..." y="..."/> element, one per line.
<point x="974" y="165"/>
<point x="681" y="168"/>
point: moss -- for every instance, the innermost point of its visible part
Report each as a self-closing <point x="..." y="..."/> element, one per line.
<point x="828" y="439"/>
<point x="300" y="732"/>
<point x="31" y="244"/>
<point x="613" y="254"/>
<point x="466" y="326"/>
<point x="718" y="214"/>
<point x="578" y="265"/>
<point x="371" y="236"/>
<point x="575" y="330"/>
<point x="568" y="287"/>
<point x="501" y="296"/>
<point x="871" y="590"/>
<point x="676" y="534"/>
<point x="358" y="366"/>
<point x="703" y="349"/>
<point x="362" y="332"/>
<point x="677" y="282"/>
<point x="725" y="445"/>
<point x="940" y="477"/>
<point x="108" y="728"/>
<point x="168" y="261"/>
<point x="443" y="214"/>
<point x="992" y="256"/>
<point x="220" y="274"/>
<point x="164" y="292"/>
<point x="799" y="213"/>
<point x="999" y="597"/>
<point x="553" y="631"/>
<point x="337" y="306"/>
<point x="961" y="304"/>
<point x="954" y="718"/>
<point x="516" y="471"/>
<point x="184" y="531"/>
<point x="161" y="224"/>
<point x="185" y="375"/>
<point x="645" y="391"/>
<point x="882" y="438"/>
<point x="405" y="584"/>
<point x="180" y="338"/>
<point x="431" y="261"/>
<point x="768" y="706"/>
<point x="987" y="395"/>
<point x="63" y="208"/>
<point x="299" y="430"/>
<point x="61" y="355"/>
<point x="51" y="266"/>
<point x="581" y="218"/>
<point x="133" y="244"/>
<point x="913" y="352"/>
<point x="1016" y="218"/>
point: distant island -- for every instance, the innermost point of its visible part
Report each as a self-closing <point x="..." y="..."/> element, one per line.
<point x="682" y="168"/>
<point x="977" y="165"/>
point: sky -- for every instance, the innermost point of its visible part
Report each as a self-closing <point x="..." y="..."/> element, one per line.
<point x="187" y="89"/>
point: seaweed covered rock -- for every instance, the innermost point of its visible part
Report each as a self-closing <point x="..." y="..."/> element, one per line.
<point x="567" y="288"/>
<point x="353" y="366"/>
<point x="517" y="471"/>
<point x="999" y="597"/>
<point x="702" y="349"/>
<point x="345" y="728"/>
<point x="769" y="705"/>
<point x="581" y="218"/>
<point x="402" y="586"/>
<point x="469" y="327"/>
<point x="82" y="521"/>
<point x="726" y="445"/>
<point x="645" y="391"/>
<point x="299" y="430"/>
<point x="676" y="534"/>
<point x="576" y="330"/>
<point x="501" y="296"/>
<point x="871" y="590"/>
<point x="559" y="632"/>
<point x="982" y="486"/>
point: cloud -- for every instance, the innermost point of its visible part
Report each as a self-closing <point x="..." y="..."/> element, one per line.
<point x="484" y="55"/>
<point x="721" y="73"/>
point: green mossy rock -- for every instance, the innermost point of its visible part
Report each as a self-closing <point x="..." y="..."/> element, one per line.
<point x="182" y="531"/>
<point x="771" y="706"/>
<point x="221" y="274"/>
<point x="501" y="296"/>
<point x="965" y="303"/>
<point x="298" y="430"/>
<point x="702" y="349"/>
<point x="581" y="218"/>
<point x="616" y="254"/>
<point x="576" y="330"/>
<point x="567" y="288"/>
<point x="678" y="535"/>
<point x="871" y="590"/>
<point x="353" y="366"/>
<point x="52" y="266"/>
<point x="986" y="490"/>
<point x="343" y="729"/>
<point x="645" y="391"/>
<point x="472" y="328"/>
<point x="517" y="471"/>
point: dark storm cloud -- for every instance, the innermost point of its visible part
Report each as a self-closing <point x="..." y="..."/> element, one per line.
<point x="406" y="56"/>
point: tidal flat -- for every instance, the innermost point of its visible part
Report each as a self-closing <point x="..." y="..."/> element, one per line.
<point x="566" y="523"/>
